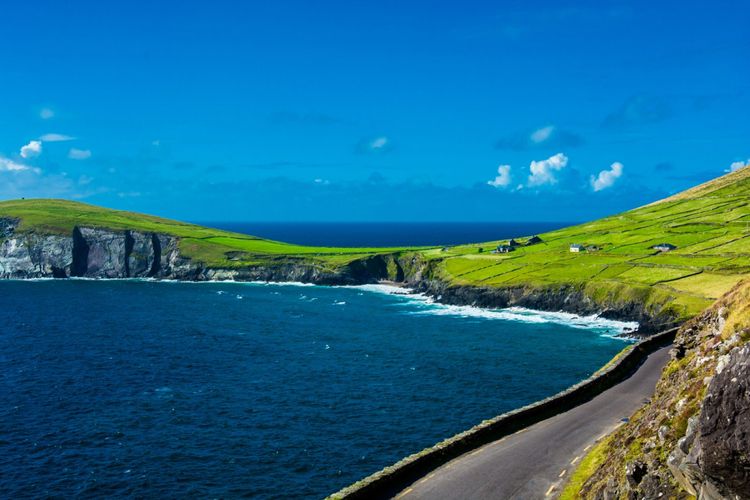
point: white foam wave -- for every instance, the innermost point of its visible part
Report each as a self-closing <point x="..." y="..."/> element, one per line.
<point x="428" y="306"/>
<point x="275" y="283"/>
<point x="379" y="288"/>
<point x="524" y="315"/>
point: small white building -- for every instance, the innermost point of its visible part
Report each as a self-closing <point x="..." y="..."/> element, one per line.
<point x="575" y="248"/>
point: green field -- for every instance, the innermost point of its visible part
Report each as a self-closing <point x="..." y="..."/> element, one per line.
<point x="214" y="247"/>
<point x="709" y="225"/>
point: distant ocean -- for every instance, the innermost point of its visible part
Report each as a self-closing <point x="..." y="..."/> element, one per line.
<point x="387" y="233"/>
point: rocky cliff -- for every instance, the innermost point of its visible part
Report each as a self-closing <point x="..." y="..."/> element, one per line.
<point x="90" y="252"/>
<point x="106" y="253"/>
<point x="692" y="439"/>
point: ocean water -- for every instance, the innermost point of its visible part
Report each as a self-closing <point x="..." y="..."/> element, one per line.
<point x="171" y="390"/>
<point x="382" y="234"/>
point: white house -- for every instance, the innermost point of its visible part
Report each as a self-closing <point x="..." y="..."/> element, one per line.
<point x="575" y="248"/>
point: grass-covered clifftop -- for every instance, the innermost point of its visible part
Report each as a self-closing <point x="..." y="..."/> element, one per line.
<point x="212" y="247"/>
<point x="709" y="225"/>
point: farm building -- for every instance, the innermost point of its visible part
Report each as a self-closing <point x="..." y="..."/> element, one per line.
<point x="575" y="248"/>
<point x="664" y="247"/>
<point x="533" y="240"/>
<point x="514" y="243"/>
<point x="504" y="249"/>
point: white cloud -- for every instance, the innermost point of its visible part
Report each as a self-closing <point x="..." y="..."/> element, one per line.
<point x="46" y="113"/>
<point x="379" y="143"/>
<point x="503" y="177"/>
<point x="607" y="178"/>
<point x="324" y="182"/>
<point x="79" y="154"/>
<point x="7" y="165"/>
<point x="543" y="171"/>
<point x="738" y="165"/>
<point x="56" y="138"/>
<point x="374" y="145"/>
<point x="540" y="135"/>
<point x="32" y="149"/>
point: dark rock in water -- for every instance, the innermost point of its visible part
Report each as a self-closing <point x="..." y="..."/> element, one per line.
<point x="724" y="426"/>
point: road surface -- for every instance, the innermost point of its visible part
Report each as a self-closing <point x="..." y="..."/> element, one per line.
<point x="533" y="463"/>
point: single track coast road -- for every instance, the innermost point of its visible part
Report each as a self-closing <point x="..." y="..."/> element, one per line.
<point x="533" y="463"/>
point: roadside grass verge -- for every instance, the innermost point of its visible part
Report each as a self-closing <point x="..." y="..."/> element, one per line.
<point x="595" y="457"/>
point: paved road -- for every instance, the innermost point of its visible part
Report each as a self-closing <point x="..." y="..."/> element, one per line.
<point x="533" y="463"/>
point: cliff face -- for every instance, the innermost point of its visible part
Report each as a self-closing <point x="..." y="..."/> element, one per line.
<point x="90" y="252"/>
<point x="693" y="437"/>
<point x="104" y="253"/>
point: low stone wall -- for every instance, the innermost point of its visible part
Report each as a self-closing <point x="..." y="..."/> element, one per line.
<point x="391" y="480"/>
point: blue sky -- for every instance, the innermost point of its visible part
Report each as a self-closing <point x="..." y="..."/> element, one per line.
<point x="388" y="110"/>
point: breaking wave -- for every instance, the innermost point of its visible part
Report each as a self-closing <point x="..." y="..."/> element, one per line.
<point x="427" y="305"/>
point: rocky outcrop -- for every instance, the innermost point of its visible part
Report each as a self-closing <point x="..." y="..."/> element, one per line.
<point x="693" y="437"/>
<point x="33" y="256"/>
<point x="92" y="253"/>
<point x="725" y="425"/>
<point x="712" y="460"/>
<point x="30" y="255"/>
<point x="7" y="226"/>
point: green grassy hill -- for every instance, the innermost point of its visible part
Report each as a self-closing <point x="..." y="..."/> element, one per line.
<point x="709" y="225"/>
<point x="214" y="247"/>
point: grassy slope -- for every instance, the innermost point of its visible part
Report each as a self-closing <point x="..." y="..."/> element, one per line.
<point x="200" y="243"/>
<point x="710" y="224"/>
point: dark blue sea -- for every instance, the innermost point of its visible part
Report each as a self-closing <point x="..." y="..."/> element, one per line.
<point x="173" y="390"/>
<point x="384" y="234"/>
